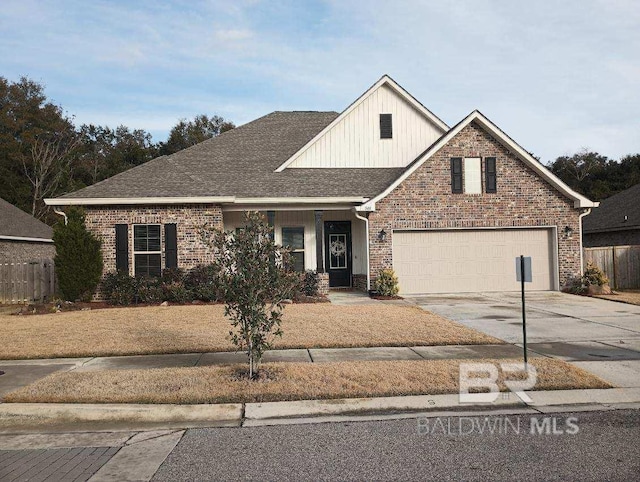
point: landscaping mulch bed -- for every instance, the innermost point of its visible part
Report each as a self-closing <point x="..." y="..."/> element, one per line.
<point x="628" y="296"/>
<point x="281" y="381"/>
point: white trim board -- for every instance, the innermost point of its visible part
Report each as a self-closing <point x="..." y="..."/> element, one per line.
<point x="227" y="200"/>
<point x="385" y="79"/>
<point x="579" y="200"/>
<point x="25" y="238"/>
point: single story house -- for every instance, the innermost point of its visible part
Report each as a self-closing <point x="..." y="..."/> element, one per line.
<point x="384" y="184"/>
<point x="616" y="222"/>
<point x="23" y="238"/>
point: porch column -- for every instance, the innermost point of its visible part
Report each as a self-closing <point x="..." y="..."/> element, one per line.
<point x="319" y="257"/>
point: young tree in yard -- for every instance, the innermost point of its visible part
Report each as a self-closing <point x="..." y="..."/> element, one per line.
<point x="78" y="258"/>
<point x="254" y="281"/>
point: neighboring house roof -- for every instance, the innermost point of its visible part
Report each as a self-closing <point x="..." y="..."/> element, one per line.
<point x="17" y="225"/>
<point x="476" y="116"/>
<point x="616" y="213"/>
<point x="240" y="163"/>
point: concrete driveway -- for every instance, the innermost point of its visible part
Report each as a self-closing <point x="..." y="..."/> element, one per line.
<point x="599" y="335"/>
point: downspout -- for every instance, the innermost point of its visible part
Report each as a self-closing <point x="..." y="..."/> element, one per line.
<point x="366" y="227"/>
<point x="61" y="213"/>
<point x="588" y="211"/>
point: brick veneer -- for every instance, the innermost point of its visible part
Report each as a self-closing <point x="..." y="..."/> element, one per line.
<point x="188" y="218"/>
<point x="424" y="201"/>
<point x="360" y="282"/>
<point x="323" y="283"/>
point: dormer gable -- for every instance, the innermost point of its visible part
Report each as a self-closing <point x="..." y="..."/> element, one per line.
<point x="385" y="127"/>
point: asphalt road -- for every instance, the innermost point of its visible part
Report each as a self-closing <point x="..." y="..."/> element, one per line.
<point x="605" y="447"/>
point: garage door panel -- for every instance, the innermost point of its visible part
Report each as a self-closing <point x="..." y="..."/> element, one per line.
<point x="471" y="260"/>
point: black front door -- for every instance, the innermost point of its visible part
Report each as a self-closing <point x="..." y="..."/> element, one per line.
<point x="337" y="242"/>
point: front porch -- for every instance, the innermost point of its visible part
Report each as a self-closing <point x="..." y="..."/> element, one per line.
<point x="332" y="242"/>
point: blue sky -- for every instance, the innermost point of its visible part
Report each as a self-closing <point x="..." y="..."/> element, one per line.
<point x="556" y="76"/>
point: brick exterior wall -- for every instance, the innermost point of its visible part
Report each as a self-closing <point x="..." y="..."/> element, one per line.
<point x="188" y="218"/>
<point x="360" y="282"/>
<point x="628" y="237"/>
<point x="25" y="250"/>
<point x="424" y="201"/>
<point x="323" y="283"/>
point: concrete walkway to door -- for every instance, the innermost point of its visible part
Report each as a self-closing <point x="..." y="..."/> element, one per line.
<point x="599" y="335"/>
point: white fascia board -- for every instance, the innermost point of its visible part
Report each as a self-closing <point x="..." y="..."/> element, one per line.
<point x="23" y="238"/>
<point x="385" y="79"/>
<point x="300" y="200"/>
<point x="579" y="201"/>
<point x="138" y="200"/>
<point x="228" y="208"/>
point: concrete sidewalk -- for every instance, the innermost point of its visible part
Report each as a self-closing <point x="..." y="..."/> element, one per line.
<point x="19" y="373"/>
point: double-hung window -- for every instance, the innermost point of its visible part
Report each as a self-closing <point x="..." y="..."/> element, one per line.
<point x="147" y="251"/>
<point x="293" y="238"/>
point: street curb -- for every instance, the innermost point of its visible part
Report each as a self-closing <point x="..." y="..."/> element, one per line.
<point x="77" y="417"/>
<point x="80" y="416"/>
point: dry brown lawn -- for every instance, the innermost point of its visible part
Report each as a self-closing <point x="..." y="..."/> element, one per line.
<point x="629" y="296"/>
<point x="187" y="329"/>
<point x="283" y="381"/>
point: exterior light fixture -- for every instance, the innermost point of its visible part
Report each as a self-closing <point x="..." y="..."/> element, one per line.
<point x="382" y="236"/>
<point x="568" y="232"/>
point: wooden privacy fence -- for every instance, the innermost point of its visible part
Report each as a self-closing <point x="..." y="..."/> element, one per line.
<point x="621" y="264"/>
<point x="24" y="282"/>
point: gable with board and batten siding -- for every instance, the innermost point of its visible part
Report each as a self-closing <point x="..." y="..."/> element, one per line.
<point x="355" y="139"/>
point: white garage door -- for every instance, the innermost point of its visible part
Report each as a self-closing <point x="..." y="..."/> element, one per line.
<point x="459" y="261"/>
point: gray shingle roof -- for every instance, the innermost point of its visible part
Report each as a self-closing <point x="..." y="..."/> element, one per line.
<point x="241" y="162"/>
<point x="609" y="216"/>
<point x="15" y="222"/>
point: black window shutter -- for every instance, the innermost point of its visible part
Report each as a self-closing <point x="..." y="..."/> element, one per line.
<point x="122" y="247"/>
<point x="386" y="127"/>
<point x="490" y="174"/>
<point x="456" y="174"/>
<point x="170" y="246"/>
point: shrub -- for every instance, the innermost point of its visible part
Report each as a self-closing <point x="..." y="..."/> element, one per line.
<point x="387" y="283"/>
<point x="309" y="284"/>
<point x="172" y="275"/>
<point x="119" y="288"/>
<point x="202" y="282"/>
<point x="149" y="290"/>
<point x="594" y="276"/>
<point x="78" y="258"/>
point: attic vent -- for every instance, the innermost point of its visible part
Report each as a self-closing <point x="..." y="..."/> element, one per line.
<point x="386" y="130"/>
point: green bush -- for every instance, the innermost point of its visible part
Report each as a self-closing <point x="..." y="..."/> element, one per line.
<point x="387" y="283"/>
<point x="202" y="281"/>
<point x="119" y="288"/>
<point x="309" y="284"/>
<point x="78" y="258"/>
<point x="149" y="290"/>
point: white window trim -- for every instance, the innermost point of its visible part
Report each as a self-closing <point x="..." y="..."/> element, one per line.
<point x="133" y="244"/>
<point x="298" y="250"/>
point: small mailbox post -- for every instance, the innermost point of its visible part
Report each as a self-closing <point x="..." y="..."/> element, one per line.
<point x="523" y="274"/>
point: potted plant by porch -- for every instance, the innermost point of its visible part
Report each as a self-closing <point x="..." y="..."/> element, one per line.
<point x="595" y="281"/>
